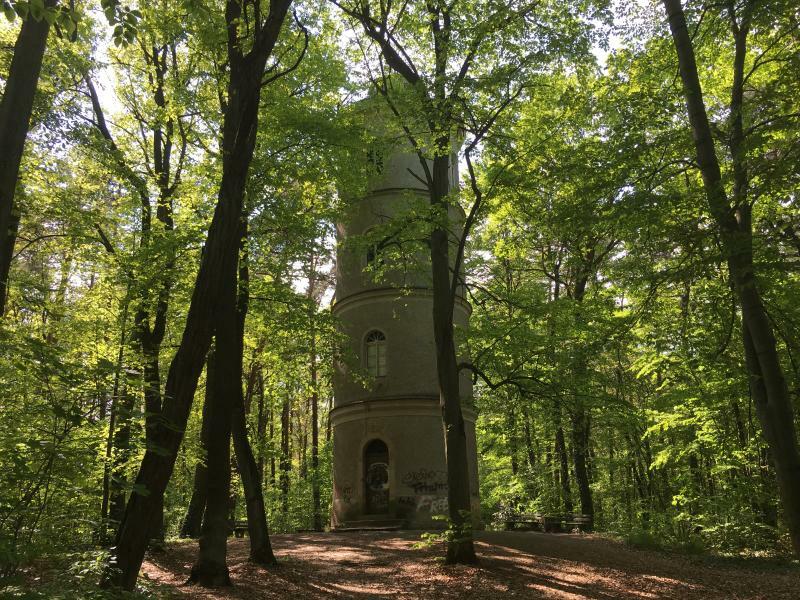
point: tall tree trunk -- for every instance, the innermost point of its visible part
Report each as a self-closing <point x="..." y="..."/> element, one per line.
<point x="580" y="416"/>
<point x="286" y="456"/>
<point x="315" y="491"/>
<point x="563" y="462"/>
<point x="767" y="382"/>
<point x="530" y="451"/>
<point x="152" y="407"/>
<point x="261" y="426"/>
<point x="122" y="451"/>
<point x="193" y="521"/>
<point x="580" y="455"/>
<point x="211" y="568"/>
<point x="460" y="548"/>
<point x="217" y="266"/>
<point x="260" y="546"/>
<point x="272" y="464"/>
<point x="511" y="427"/>
<point x="108" y="465"/>
<point x="16" y="107"/>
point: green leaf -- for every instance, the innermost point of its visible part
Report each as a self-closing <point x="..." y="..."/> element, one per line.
<point x="50" y="15"/>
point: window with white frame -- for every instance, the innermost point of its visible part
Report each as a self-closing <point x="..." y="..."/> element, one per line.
<point x="375" y="353"/>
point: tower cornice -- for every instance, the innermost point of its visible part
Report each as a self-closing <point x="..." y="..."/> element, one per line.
<point x="358" y="298"/>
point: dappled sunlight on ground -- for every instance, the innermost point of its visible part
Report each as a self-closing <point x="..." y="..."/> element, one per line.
<point x="512" y="565"/>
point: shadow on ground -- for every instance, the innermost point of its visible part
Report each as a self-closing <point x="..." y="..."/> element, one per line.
<point x="512" y="564"/>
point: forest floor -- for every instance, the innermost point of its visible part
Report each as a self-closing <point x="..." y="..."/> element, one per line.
<point x="374" y="565"/>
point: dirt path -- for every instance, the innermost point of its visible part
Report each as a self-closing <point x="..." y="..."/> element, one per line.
<point x="370" y="566"/>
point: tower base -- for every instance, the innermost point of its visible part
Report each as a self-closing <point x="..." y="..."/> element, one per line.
<point x="389" y="465"/>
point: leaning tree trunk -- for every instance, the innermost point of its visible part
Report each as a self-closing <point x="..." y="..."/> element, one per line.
<point x="16" y="107"/>
<point x="767" y="382"/>
<point x="260" y="546"/>
<point x="193" y="521"/>
<point x="218" y="263"/>
<point x="460" y="548"/>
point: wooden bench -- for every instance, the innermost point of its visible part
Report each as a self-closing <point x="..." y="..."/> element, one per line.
<point x="240" y="528"/>
<point x="578" y="521"/>
<point x="531" y="520"/>
<point x="549" y="523"/>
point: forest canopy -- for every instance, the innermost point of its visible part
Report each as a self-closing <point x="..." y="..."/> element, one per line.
<point x="172" y="175"/>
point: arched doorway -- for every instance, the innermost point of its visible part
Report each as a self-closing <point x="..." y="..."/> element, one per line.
<point x="376" y="477"/>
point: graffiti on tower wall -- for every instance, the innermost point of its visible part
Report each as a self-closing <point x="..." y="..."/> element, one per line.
<point x="343" y="494"/>
<point x="426" y="481"/>
<point x="436" y="505"/>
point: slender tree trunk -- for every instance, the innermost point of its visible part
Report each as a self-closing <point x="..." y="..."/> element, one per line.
<point x="767" y="382"/>
<point x="511" y="426"/>
<point x="286" y="456"/>
<point x="152" y="407"/>
<point x="261" y="426"/>
<point x="530" y="451"/>
<point x="315" y="492"/>
<point x="16" y="107"/>
<point x="563" y="461"/>
<point x="460" y="548"/>
<point x="260" y="546"/>
<point x="272" y="465"/>
<point x="218" y="265"/>
<point x="193" y="521"/>
<point x="122" y="451"/>
<point x="108" y="465"/>
<point x="580" y="454"/>
<point x="580" y="419"/>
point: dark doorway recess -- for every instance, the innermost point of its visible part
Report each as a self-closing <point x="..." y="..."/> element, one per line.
<point x="376" y="477"/>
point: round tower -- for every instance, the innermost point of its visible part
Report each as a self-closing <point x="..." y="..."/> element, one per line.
<point x="389" y="464"/>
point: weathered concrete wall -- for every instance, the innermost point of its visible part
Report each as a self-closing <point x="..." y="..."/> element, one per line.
<point x="412" y="430"/>
<point x="400" y="408"/>
<point x="369" y="214"/>
<point x="407" y="323"/>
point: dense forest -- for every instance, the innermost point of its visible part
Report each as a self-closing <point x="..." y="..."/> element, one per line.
<point x="171" y="178"/>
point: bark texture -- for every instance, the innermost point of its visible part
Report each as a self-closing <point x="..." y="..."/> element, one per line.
<point x="460" y="548"/>
<point x="211" y="568"/>
<point x="16" y="108"/>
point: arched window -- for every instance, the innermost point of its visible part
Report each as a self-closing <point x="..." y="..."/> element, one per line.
<point x="375" y="353"/>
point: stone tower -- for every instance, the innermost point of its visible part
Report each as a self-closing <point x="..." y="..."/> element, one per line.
<point x="388" y="443"/>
